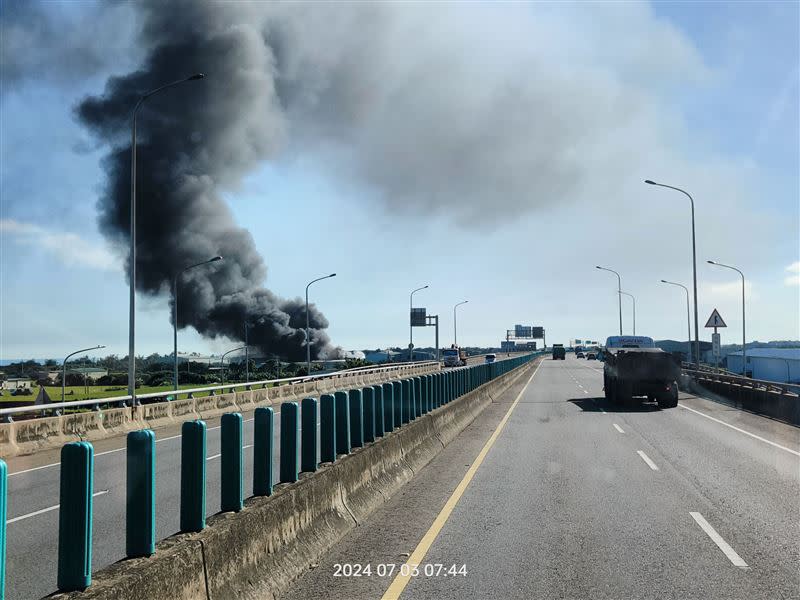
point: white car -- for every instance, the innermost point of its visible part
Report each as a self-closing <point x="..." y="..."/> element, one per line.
<point x="490" y="358"/>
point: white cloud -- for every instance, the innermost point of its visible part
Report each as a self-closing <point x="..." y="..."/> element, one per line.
<point x="794" y="278"/>
<point x="68" y="248"/>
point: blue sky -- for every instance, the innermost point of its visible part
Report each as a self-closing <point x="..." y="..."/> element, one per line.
<point x="715" y="90"/>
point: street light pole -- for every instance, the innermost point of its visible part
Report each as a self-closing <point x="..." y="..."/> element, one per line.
<point x="455" y="322"/>
<point x="222" y="361"/>
<point x="688" y="322"/>
<point x="619" y="289"/>
<point x="410" y="326"/>
<point x="744" y="347"/>
<point x="175" y="314"/>
<point x="694" y="269"/>
<point x="308" y="339"/>
<point x="634" y="309"/>
<point x="132" y="250"/>
<point x="64" y="369"/>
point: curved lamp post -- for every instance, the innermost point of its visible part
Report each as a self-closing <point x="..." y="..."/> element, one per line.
<point x="455" y="322"/>
<point x="634" y="309"/>
<point x="64" y="368"/>
<point x="175" y="314"/>
<point x="132" y="250"/>
<point x="222" y="361"/>
<point x="688" y="322"/>
<point x="694" y="268"/>
<point x="308" y="339"/>
<point x="410" y="326"/>
<point x="619" y="288"/>
<point x="744" y="348"/>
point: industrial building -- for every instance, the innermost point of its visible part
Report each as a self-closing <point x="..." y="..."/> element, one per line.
<point x="768" y="364"/>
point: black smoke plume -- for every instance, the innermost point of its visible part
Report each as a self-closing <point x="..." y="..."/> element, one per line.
<point x="193" y="140"/>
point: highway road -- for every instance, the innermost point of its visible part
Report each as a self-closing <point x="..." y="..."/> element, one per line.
<point x="553" y="493"/>
<point x="33" y="488"/>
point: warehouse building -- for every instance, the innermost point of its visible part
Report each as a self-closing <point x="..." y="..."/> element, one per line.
<point x="768" y="364"/>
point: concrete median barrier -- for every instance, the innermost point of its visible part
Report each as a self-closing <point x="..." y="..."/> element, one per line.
<point x="258" y="552"/>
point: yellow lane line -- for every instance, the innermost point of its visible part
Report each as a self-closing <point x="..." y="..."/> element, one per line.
<point x="401" y="581"/>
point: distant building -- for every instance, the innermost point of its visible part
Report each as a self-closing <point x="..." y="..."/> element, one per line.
<point x="382" y="356"/>
<point x="768" y="364"/>
<point x="93" y="373"/>
<point x="680" y="349"/>
<point x="508" y="346"/>
<point x="17" y="383"/>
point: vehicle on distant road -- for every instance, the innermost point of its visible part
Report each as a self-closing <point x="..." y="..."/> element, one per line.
<point x="454" y="357"/>
<point x="634" y="367"/>
<point x="591" y="356"/>
<point x="490" y="358"/>
<point x="579" y="355"/>
<point x="559" y="352"/>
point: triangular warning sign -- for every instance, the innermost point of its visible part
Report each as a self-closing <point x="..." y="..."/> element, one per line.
<point x="715" y="320"/>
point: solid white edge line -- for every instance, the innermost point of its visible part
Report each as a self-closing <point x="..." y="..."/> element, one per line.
<point x="618" y="428"/>
<point x="48" y="509"/>
<point x="646" y="459"/>
<point x="752" y="435"/>
<point x="719" y="541"/>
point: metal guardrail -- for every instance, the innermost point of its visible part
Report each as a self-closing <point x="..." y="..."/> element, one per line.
<point x="745" y="382"/>
<point x="210" y="390"/>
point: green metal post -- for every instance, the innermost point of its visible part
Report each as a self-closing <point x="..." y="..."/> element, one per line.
<point x="75" y="517"/>
<point x="356" y="418"/>
<point x="342" y="423"/>
<point x="417" y="383"/>
<point x="140" y="494"/>
<point x="327" y="431"/>
<point x="193" y="476"/>
<point x="263" y="450"/>
<point x="308" y="435"/>
<point x="408" y="400"/>
<point x="368" y="398"/>
<point x="380" y="415"/>
<point x="290" y="425"/>
<point x="231" y="463"/>
<point x="397" y="394"/>
<point x="388" y="407"/>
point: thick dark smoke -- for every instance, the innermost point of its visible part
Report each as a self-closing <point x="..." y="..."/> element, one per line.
<point x="430" y="108"/>
<point x="194" y="139"/>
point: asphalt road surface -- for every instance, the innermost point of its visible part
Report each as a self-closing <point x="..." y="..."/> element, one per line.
<point x="33" y="498"/>
<point x="575" y="498"/>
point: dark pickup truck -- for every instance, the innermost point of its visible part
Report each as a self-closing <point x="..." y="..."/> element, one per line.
<point x="634" y="367"/>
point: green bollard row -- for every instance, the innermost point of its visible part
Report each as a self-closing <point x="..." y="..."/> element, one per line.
<point x="140" y="494"/>
<point x="263" y="451"/>
<point x="231" y="463"/>
<point x="327" y="432"/>
<point x="290" y="426"/>
<point x="75" y="517"/>
<point x="308" y="438"/>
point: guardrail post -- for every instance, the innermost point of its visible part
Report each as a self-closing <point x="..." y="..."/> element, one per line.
<point x="308" y="435"/>
<point x="417" y="382"/>
<point x="140" y="494"/>
<point x="231" y="463"/>
<point x="388" y="407"/>
<point x="408" y="400"/>
<point x="342" y="423"/>
<point x="427" y="380"/>
<point x="263" y="450"/>
<point x="290" y="423"/>
<point x="370" y="414"/>
<point x="3" y="514"/>
<point x="356" y="418"/>
<point x="75" y="517"/>
<point x="437" y="390"/>
<point x="327" y="432"/>
<point x="193" y="476"/>
<point x="397" y="393"/>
